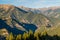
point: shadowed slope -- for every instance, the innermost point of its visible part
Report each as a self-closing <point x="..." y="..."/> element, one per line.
<point x="13" y="30"/>
<point x="27" y="26"/>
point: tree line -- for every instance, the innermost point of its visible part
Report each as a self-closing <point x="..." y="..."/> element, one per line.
<point x="30" y="36"/>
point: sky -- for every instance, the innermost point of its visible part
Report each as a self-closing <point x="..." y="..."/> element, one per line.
<point x="32" y="3"/>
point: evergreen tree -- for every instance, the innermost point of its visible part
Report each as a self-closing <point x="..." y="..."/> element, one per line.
<point x="25" y="36"/>
<point x="18" y="37"/>
<point x="10" y="37"/>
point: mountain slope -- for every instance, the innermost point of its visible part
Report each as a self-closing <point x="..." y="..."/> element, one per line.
<point x="22" y="20"/>
<point x="52" y="13"/>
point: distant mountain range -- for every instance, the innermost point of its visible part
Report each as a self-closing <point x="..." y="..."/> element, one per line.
<point x="52" y="13"/>
<point x="25" y="19"/>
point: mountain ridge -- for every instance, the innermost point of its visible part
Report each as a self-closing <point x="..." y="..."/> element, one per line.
<point x="50" y="12"/>
<point x="26" y="20"/>
<point x="14" y="17"/>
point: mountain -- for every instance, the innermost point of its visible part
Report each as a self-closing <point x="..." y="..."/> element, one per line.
<point x="18" y="20"/>
<point x="52" y="13"/>
<point x="22" y="19"/>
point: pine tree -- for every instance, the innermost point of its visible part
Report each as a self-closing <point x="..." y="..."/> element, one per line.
<point x="30" y="32"/>
<point x="25" y="36"/>
<point x="18" y="37"/>
<point x="10" y="37"/>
